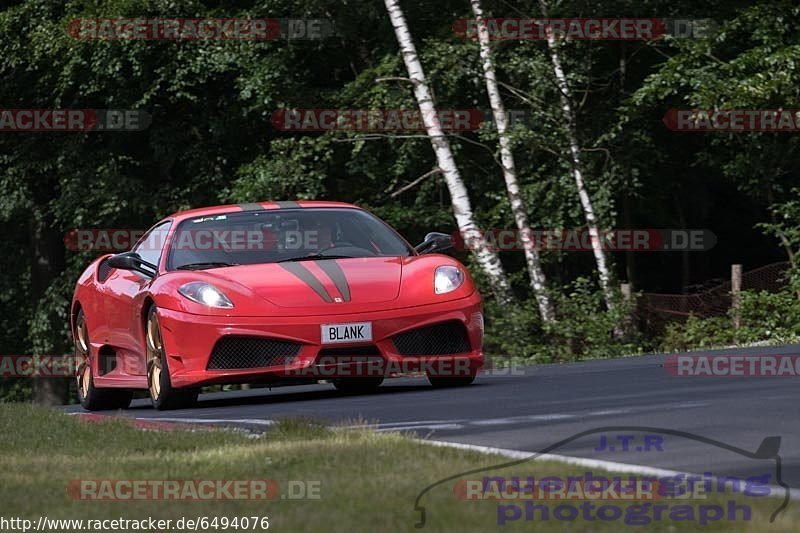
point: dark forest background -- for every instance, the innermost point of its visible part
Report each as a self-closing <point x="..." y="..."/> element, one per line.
<point x="211" y="141"/>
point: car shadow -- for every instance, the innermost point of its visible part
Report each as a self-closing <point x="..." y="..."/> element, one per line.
<point x="286" y="395"/>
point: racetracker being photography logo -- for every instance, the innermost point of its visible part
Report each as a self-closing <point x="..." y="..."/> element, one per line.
<point x="581" y="29"/>
<point x="735" y="485"/>
<point x="73" y="120"/>
<point x="195" y="29"/>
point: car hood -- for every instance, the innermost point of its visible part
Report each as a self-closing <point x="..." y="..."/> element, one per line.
<point x="304" y="283"/>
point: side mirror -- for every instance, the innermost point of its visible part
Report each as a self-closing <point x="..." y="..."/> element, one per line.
<point x="435" y="242"/>
<point x="132" y="261"/>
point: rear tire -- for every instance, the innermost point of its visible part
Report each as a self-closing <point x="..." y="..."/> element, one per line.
<point x="163" y="395"/>
<point x="91" y="397"/>
<point x="357" y="385"/>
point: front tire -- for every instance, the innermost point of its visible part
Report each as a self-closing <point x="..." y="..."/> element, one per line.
<point x="163" y="395"/>
<point x="91" y="397"/>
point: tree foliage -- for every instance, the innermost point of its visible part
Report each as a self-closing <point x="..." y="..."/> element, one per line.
<point x="211" y="139"/>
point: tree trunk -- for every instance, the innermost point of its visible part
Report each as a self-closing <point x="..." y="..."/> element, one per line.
<point x="686" y="260"/>
<point x="462" y="209"/>
<point x="535" y="272"/>
<point x="568" y="114"/>
<point x="627" y="199"/>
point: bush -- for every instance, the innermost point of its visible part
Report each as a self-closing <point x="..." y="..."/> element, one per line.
<point x="584" y="330"/>
<point x="514" y="332"/>
<point x="765" y="317"/>
<point x="697" y="332"/>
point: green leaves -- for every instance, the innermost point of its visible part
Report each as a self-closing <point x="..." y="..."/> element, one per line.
<point x="212" y="141"/>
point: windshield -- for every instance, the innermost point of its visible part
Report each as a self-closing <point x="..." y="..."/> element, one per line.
<point x="281" y="235"/>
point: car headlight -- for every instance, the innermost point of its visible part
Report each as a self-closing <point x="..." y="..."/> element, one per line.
<point x="447" y="279"/>
<point x="205" y="294"/>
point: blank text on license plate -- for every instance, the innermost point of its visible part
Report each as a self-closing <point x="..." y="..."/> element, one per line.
<point x="353" y="332"/>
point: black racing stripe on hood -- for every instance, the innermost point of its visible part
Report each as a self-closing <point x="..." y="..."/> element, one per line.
<point x="287" y="205"/>
<point x="308" y="278"/>
<point x="335" y="272"/>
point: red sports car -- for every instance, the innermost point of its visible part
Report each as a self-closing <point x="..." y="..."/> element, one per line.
<point x="272" y="292"/>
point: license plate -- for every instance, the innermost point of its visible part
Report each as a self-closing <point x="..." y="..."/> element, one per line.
<point x="354" y="332"/>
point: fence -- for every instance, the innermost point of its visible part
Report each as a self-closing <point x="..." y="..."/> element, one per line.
<point x="658" y="309"/>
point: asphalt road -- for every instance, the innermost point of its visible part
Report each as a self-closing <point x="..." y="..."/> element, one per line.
<point x="533" y="408"/>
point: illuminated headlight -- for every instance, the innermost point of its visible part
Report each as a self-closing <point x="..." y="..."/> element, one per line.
<point x="447" y="279"/>
<point x="205" y="294"/>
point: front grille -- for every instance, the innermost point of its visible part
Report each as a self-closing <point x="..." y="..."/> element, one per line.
<point x="439" y="339"/>
<point x="251" y="352"/>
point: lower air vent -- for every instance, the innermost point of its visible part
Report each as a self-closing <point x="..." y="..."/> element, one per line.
<point x="231" y="353"/>
<point x="439" y="339"/>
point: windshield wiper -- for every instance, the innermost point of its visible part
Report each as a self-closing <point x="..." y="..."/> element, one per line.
<point x="209" y="264"/>
<point x="315" y="257"/>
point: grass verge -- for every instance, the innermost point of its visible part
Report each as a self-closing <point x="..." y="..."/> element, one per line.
<point x="367" y="481"/>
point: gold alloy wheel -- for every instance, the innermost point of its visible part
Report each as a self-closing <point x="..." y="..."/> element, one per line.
<point x="155" y="356"/>
<point x="84" y="371"/>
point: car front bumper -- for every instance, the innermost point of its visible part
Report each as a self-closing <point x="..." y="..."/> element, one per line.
<point x="190" y="340"/>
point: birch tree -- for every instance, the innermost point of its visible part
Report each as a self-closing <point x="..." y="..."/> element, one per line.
<point x="576" y="163"/>
<point x="535" y="272"/>
<point x="487" y="259"/>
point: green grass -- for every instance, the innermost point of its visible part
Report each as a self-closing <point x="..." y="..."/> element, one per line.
<point x="368" y="481"/>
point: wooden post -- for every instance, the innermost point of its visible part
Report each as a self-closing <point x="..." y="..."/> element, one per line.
<point x="627" y="295"/>
<point x="736" y="290"/>
<point x="625" y="288"/>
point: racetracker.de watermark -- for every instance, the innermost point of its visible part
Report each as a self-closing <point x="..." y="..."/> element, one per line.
<point x="199" y="29"/>
<point x="326" y="367"/>
<point x="377" y="120"/>
<point x="191" y="489"/>
<point x="580" y="240"/>
<point x="733" y="366"/>
<point x="733" y="120"/>
<point x="37" y="366"/>
<point x="599" y="29"/>
<point x="73" y="120"/>
<point x="556" y="488"/>
<point x="240" y="240"/>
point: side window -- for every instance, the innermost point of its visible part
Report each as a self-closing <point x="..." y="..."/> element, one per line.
<point x="152" y="244"/>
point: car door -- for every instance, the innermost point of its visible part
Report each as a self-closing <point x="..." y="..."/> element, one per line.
<point x="124" y="291"/>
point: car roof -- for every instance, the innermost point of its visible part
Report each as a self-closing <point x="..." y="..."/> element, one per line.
<point x="267" y="205"/>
